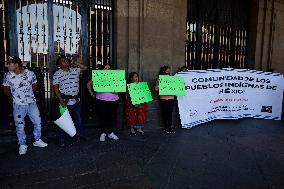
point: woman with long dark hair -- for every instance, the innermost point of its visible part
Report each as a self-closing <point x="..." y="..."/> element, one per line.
<point x="135" y="116"/>
<point x="166" y="102"/>
<point x="106" y="103"/>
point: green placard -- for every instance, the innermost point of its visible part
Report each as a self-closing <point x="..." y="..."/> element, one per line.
<point x="62" y="109"/>
<point x="139" y="93"/>
<point x="109" y="80"/>
<point x="171" y="85"/>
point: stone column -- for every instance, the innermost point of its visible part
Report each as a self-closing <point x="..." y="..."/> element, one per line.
<point x="270" y="40"/>
<point x="150" y="34"/>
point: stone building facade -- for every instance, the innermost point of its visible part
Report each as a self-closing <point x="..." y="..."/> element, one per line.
<point x="148" y="34"/>
<point x="269" y="51"/>
<point x="151" y="33"/>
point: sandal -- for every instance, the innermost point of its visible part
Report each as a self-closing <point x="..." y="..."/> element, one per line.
<point x="132" y="131"/>
<point x="140" y="131"/>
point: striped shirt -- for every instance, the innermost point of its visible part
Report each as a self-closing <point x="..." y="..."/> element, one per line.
<point x="68" y="81"/>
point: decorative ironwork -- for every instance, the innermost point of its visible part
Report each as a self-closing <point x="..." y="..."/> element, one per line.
<point x="216" y="34"/>
<point x="32" y="30"/>
<point x="67" y="28"/>
<point x="100" y="24"/>
<point x="6" y="118"/>
<point x="3" y="33"/>
<point x="99" y="39"/>
<point x="48" y="28"/>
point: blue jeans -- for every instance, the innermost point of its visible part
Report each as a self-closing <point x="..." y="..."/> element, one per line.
<point x="20" y="112"/>
<point x="75" y="113"/>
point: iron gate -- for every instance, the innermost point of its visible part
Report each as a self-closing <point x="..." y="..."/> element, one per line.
<point x="217" y="34"/>
<point x="41" y="30"/>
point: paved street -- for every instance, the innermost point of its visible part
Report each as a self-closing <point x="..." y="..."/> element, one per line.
<point x="247" y="153"/>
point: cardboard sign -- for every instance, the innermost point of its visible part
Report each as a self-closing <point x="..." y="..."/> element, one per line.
<point x="139" y="93"/>
<point x="171" y="85"/>
<point x="109" y="80"/>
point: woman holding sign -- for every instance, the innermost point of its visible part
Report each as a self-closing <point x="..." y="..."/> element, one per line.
<point x="135" y="116"/>
<point x="107" y="103"/>
<point x="166" y="102"/>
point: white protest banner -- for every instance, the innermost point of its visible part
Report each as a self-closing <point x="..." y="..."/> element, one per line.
<point x="230" y="94"/>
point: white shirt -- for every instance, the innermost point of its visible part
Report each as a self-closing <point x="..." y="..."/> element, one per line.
<point x="21" y="86"/>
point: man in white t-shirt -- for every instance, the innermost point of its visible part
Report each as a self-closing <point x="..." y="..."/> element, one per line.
<point x="20" y="84"/>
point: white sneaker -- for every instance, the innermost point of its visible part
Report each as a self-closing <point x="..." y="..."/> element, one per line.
<point x="112" y="136"/>
<point x="23" y="149"/>
<point x="103" y="137"/>
<point x="40" y="143"/>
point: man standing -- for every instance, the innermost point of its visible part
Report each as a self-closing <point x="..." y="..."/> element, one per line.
<point x="20" y="84"/>
<point x="66" y="88"/>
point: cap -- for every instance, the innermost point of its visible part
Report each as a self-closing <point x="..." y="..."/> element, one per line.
<point x="15" y="60"/>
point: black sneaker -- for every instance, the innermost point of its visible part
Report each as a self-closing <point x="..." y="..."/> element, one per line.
<point x="61" y="142"/>
<point x="83" y="137"/>
<point x="74" y="140"/>
<point x="170" y="130"/>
